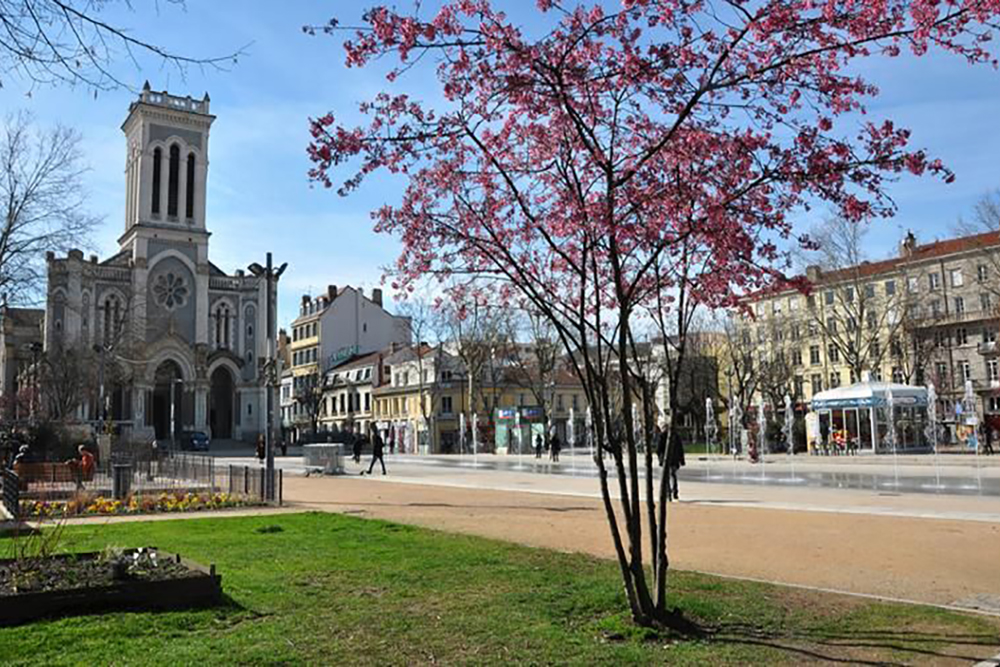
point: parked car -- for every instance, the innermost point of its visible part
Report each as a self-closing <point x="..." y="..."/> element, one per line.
<point x="195" y="441"/>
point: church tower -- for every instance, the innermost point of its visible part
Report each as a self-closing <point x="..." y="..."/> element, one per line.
<point x="166" y="167"/>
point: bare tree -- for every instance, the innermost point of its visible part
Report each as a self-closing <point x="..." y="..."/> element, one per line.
<point x="532" y="352"/>
<point x="855" y="318"/>
<point x="66" y="378"/>
<point x="427" y="357"/>
<point x="70" y="42"/>
<point x="42" y="201"/>
<point x="477" y="336"/>
<point x="986" y="219"/>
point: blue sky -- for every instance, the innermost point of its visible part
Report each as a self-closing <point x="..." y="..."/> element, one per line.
<point x="260" y="198"/>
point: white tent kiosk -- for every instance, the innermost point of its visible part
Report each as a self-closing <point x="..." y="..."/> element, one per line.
<point x="858" y="414"/>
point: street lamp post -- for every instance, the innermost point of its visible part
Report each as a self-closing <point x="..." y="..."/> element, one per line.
<point x="173" y="418"/>
<point x="36" y="353"/>
<point x="270" y="276"/>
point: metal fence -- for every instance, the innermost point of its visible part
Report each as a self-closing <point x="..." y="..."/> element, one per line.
<point x="130" y="473"/>
<point x="10" y="492"/>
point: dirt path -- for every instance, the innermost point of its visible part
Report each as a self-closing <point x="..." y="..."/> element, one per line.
<point x="930" y="560"/>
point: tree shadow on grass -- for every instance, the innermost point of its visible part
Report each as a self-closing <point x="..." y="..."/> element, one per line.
<point x="853" y="646"/>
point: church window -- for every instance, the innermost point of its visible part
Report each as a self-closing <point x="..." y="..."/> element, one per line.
<point x="249" y="357"/>
<point x="189" y="204"/>
<point x="223" y="321"/>
<point x="250" y="329"/>
<point x="157" y="171"/>
<point x="113" y="317"/>
<point x="170" y="290"/>
<point x="173" y="180"/>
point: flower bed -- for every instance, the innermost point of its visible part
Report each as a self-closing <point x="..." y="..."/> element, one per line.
<point x="32" y="588"/>
<point x="135" y="504"/>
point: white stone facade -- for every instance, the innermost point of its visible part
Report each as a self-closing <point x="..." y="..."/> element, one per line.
<point x="179" y="335"/>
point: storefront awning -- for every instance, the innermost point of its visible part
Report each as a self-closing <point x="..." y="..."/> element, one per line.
<point x="869" y="394"/>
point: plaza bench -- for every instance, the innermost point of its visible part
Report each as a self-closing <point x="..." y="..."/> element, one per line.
<point x="50" y="472"/>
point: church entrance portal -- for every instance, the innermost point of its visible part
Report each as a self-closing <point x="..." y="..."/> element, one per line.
<point x="168" y="399"/>
<point x="221" y="411"/>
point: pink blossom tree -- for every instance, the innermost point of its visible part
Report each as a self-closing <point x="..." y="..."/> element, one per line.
<point x="584" y="165"/>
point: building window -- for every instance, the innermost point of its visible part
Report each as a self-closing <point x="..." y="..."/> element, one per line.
<point x="446" y="405"/>
<point x="852" y="324"/>
<point x="223" y="320"/>
<point x="800" y="385"/>
<point x="966" y="370"/>
<point x="828" y="297"/>
<point x="189" y="203"/>
<point x="985" y="302"/>
<point x="173" y="180"/>
<point x="957" y="279"/>
<point x="897" y="375"/>
<point x="811" y="301"/>
<point x="870" y="291"/>
<point x="576" y="401"/>
<point x="993" y="370"/>
<point x="831" y="325"/>
<point x="793" y="303"/>
<point x="875" y="348"/>
<point x="935" y="307"/>
<point x="834" y="379"/>
<point x="368" y="401"/>
<point x="994" y="403"/>
<point x="934" y="280"/>
<point x="814" y="355"/>
<point x="816" y="380"/>
<point x="989" y="335"/>
<point x="959" y="305"/>
<point x="797" y="357"/>
<point x="157" y="171"/>
<point x="849" y="294"/>
<point x="833" y="353"/>
<point x="890" y="287"/>
<point x="982" y="273"/>
<point x="961" y="336"/>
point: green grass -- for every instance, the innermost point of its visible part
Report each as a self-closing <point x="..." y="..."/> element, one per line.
<point x="331" y="589"/>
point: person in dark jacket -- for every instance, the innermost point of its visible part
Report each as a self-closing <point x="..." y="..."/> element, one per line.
<point x="675" y="460"/>
<point x="538" y="446"/>
<point x="355" y="441"/>
<point x="554" y="448"/>
<point x="661" y="446"/>
<point x="261" y="452"/>
<point x="377" y="446"/>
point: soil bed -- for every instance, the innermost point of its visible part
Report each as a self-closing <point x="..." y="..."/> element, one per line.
<point x="32" y="588"/>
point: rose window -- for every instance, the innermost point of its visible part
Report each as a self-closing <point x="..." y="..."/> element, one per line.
<point x="170" y="291"/>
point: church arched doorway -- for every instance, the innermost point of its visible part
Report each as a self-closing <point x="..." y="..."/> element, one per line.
<point x="220" y="416"/>
<point x="168" y="400"/>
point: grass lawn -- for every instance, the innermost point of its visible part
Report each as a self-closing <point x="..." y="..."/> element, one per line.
<point x="332" y="589"/>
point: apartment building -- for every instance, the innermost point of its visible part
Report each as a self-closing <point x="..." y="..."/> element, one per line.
<point x="337" y="326"/>
<point x="928" y="314"/>
<point x="347" y="401"/>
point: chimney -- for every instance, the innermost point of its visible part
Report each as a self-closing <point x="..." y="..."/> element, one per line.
<point x="331" y="292"/>
<point x="93" y="259"/>
<point x="908" y="245"/>
<point x="812" y="273"/>
<point x="377" y="297"/>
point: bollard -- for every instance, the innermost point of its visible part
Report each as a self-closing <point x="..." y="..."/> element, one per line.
<point x="121" y="480"/>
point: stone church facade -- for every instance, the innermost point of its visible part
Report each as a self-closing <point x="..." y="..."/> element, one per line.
<point x="174" y="335"/>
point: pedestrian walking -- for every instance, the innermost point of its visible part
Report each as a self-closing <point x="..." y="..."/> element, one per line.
<point x="987" y="439"/>
<point x="675" y="460"/>
<point x="354" y="442"/>
<point x="554" y="448"/>
<point x="284" y="447"/>
<point x="377" y="446"/>
<point x="538" y="446"/>
<point x="260" y="447"/>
